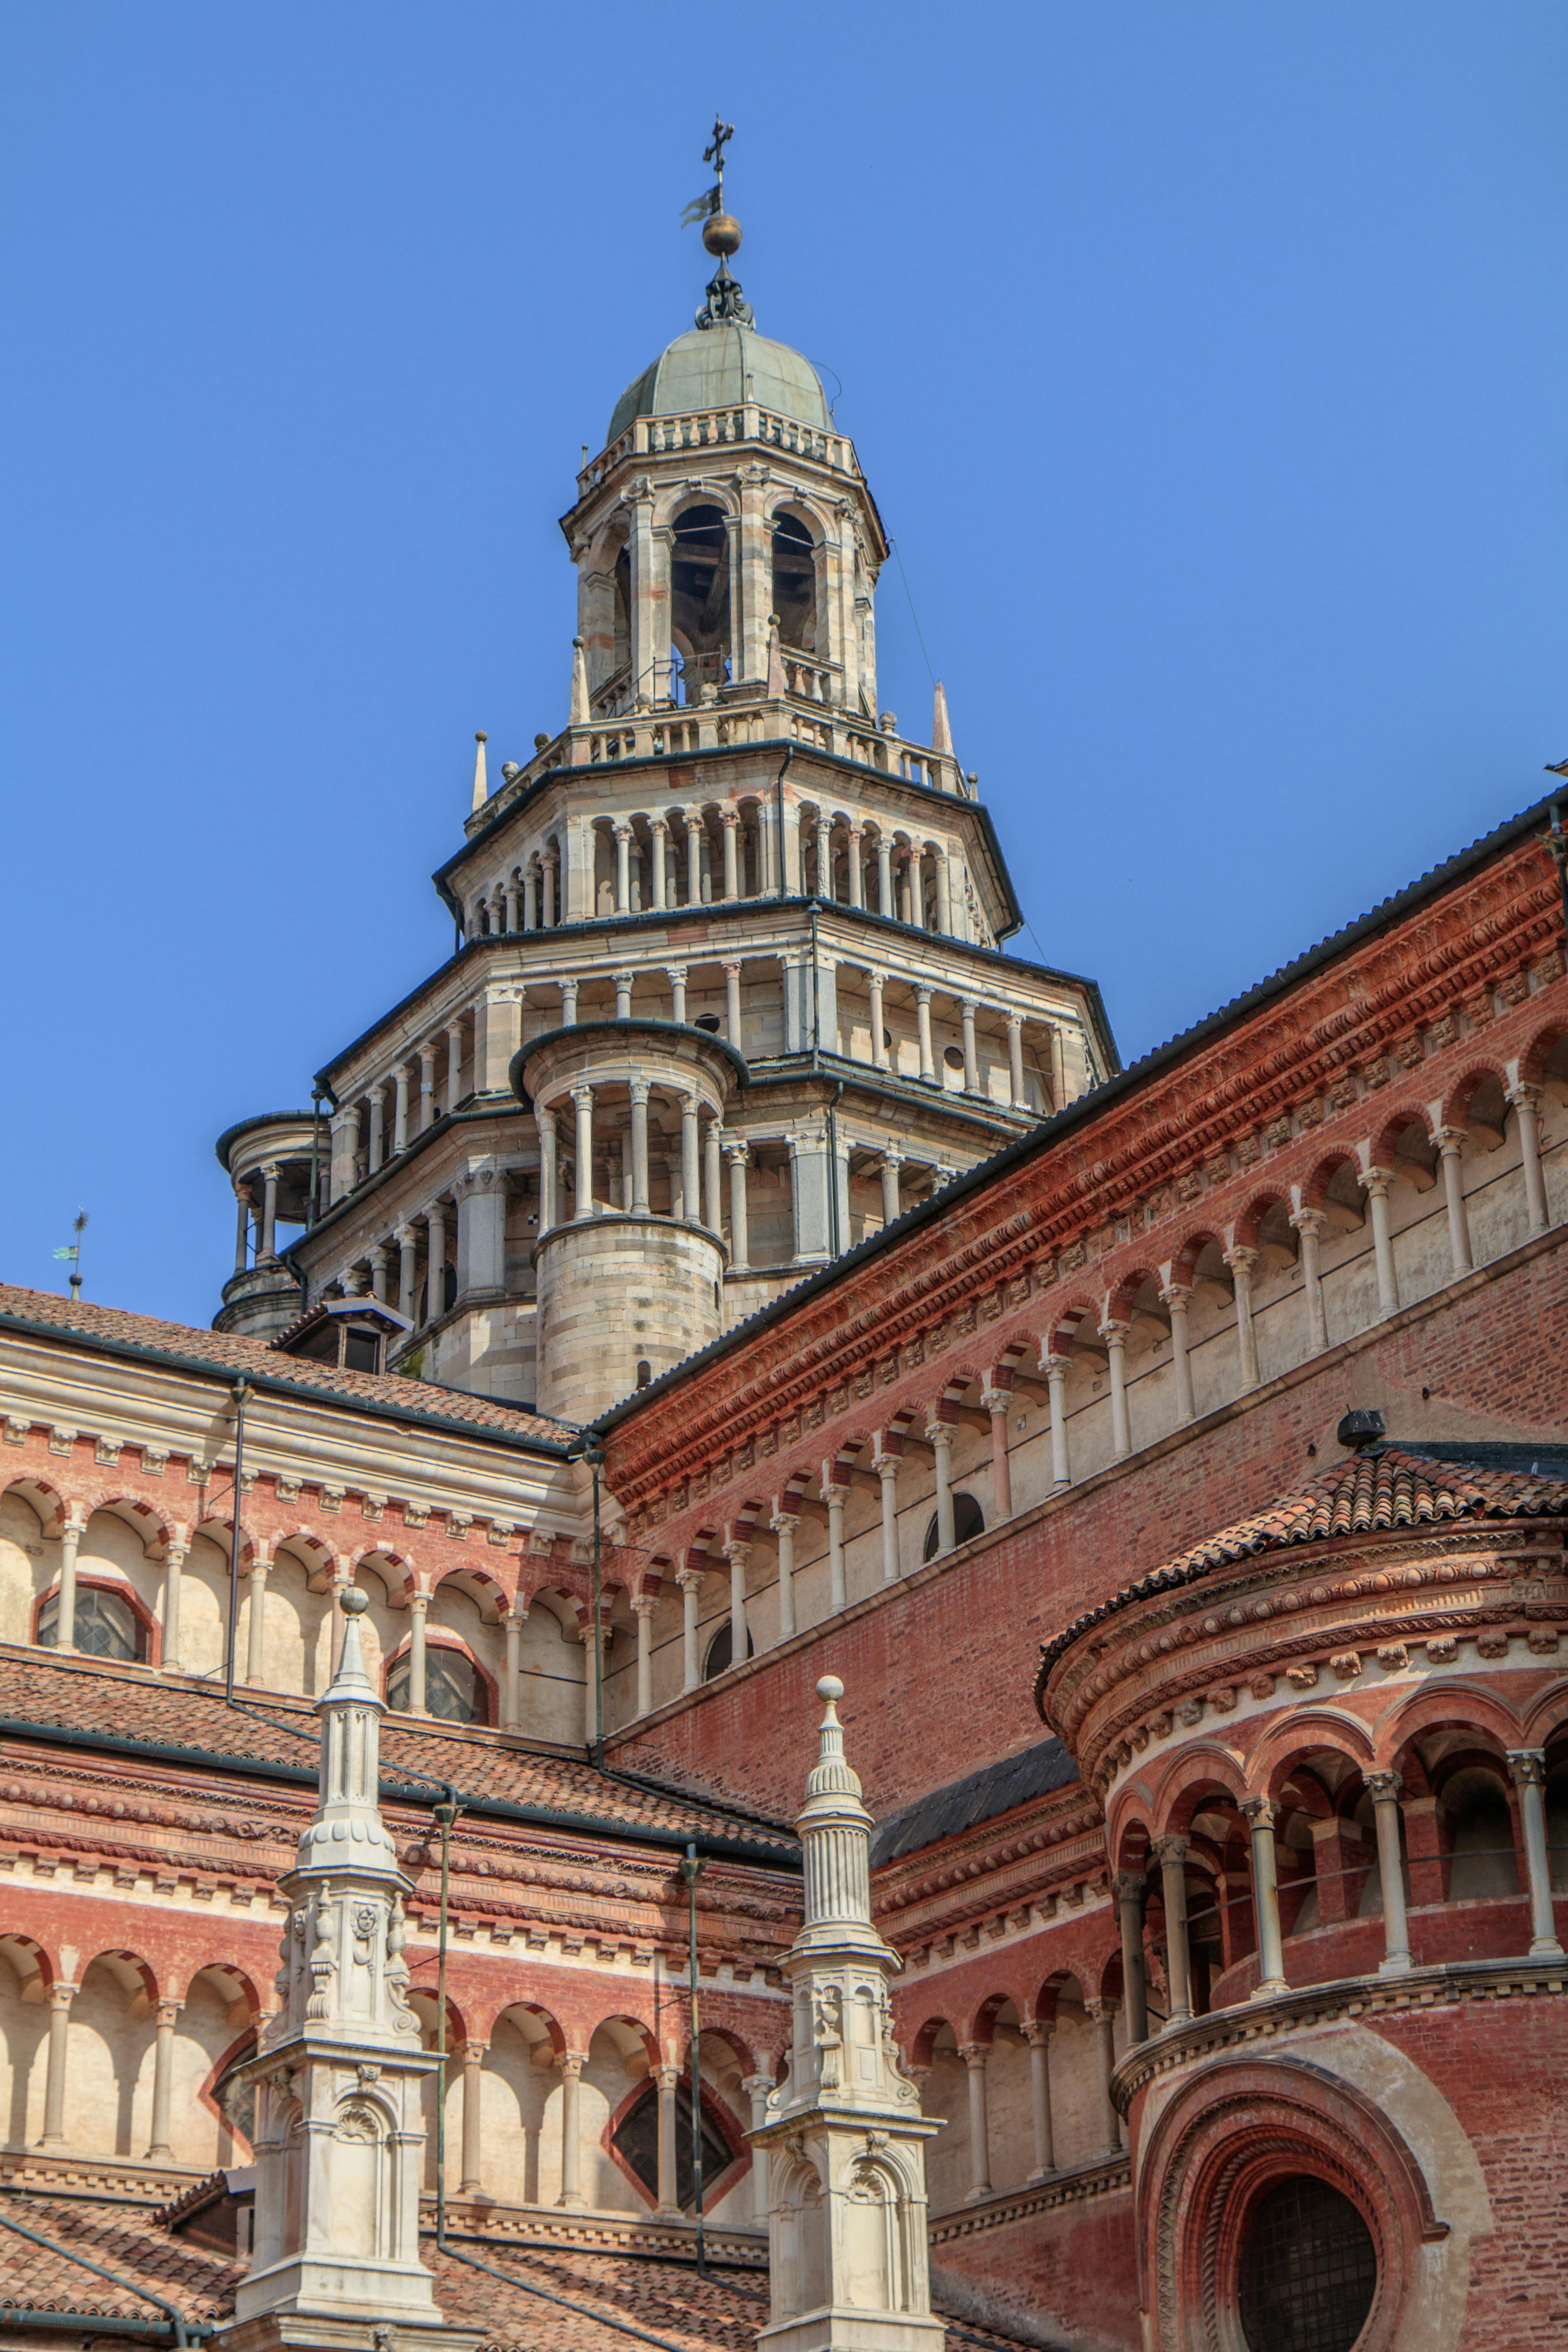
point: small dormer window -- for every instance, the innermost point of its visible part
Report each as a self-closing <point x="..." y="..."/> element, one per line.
<point x="356" y="1335"/>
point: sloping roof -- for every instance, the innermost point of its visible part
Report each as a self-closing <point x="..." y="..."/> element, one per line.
<point x="44" y="1314"/>
<point x="99" y="1705"/>
<point x="978" y="1797"/>
<point x="581" y="2302"/>
<point x="1382" y="1488"/>
<point x="117" y="2238"/>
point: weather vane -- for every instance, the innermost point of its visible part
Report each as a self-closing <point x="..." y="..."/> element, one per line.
<point x="726" y="305"/>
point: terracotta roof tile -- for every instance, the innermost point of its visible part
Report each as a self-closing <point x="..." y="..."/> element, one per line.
<point x="1381" y="1488"/>
<point x="601" y="2295"/>
<point x="53" y="1694"/>
<point x="118" y="2238"/>
<point x="226" y="1352"/>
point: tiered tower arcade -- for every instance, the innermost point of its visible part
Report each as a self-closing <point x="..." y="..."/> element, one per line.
<point x="729" y="994"/>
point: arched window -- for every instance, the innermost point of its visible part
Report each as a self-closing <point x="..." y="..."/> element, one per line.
<point x="721" y="1650"/>
<point x="699" y="596"/>
<point x="454" y="1687"/>
<point x="795" y="583"/>
<point x="968" y="1520"/>
<point x="1309" y="2270"/>
<point x="107" y="1626"/>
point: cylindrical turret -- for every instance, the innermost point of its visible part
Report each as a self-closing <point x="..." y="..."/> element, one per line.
<point x="630" y="1264"/>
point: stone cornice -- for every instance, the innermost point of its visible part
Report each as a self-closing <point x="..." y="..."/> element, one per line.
<point x="1365" y="1998"/>
<point x="1074" y="2188"/>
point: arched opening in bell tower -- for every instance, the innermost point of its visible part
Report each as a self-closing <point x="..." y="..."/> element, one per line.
<point x="699" y="599"/>
<point x="795" y="583"/>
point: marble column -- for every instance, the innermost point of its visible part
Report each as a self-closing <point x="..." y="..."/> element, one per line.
<point x="640" y="1091"/>
<point x="1385" y="1788"/>
<point x="400" y="1109"/>
<point x="732" y="1005"/>
<point x="1038" y="2036"/>
<point x="1450" y="1143"/>
<point x="939" y="1436"/>
<point x="426" y="1087"/>
<point x="1016" y="1099"/>
<point x="757" y="2087"/>
<point x="996" y="1402"/>
<point x="174" y="1557"/>
<point x="71" y="1534"/>
<point x="1527" y="1768"/>
<point x="975" y="2056"/>
<point x="454" y="1065"/>
<point x="1259" y="1815"/>
<point x="255" y="1627"/>
<point x="712" y="1207"/>
<point x="1103" y="2017"/>
<point x="885" y="905"/>
<point x="730" y="823"/>
<point x="642" y="1610"/>
<point x="1128" y="1887"/>
<point x="887" y="1471"/>
<point x="667" y="2079"/>
<point x="967" y="1009"/>
<point x="1526" y="1101"/>
<point x="737" y="1552"/>
<point x="268" y="1247"/>
<point x="1175" y="1298"/>
<point x="1311" y="1224"/>
<point x="549" y="1180"/>
<point x="1114" y="1334"/>
<point x="623" y="869"/>
<point x="690" y="1582"/>
<point x="784" y="1525"/>
<point x="675" y="975"/>
<point x="418" y="1603"/>
<point x="470" y="2183"/>
<point x="408" y="1266"/>
<point x="922" y="1019"/>
<point x="1241" y="1263"/>
<point x="1054" y="1368"/>
<point x="835" y="1497"/>
<point x="875" y="981"/>
<point x="1171" y="1853"/>
<point x="161" y="2150"/>
<point x="739" y="1244"/>
<point x="1375" y="1183"/>
<point x="888" y="1169"/>
<point x="571" y="2063"/>
<point x="583" y="1172"/>
<point x="59" y="1996"/>
<point x="511" y="1687"/>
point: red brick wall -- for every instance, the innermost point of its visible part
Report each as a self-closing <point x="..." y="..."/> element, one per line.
<point x="938" y="1674"/>
<point x="1074" y="2268"/>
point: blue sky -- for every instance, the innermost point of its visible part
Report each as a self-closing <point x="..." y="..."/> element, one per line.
<point x="1206" y="362"/>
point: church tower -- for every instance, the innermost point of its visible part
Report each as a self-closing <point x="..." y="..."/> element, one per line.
<point x="731" y="992"/>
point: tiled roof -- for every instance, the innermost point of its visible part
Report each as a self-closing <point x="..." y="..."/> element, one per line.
<point x="605" y="2300"/>
<point x="185" y="1345"/>
<point x="979" y="1797"/>
<point x="101" y="1700"/>
<point x="117" y="2238"/>
<point x="1381" y="1488"/>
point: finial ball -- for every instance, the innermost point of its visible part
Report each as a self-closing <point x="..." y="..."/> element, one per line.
<point x="721" y="235"/>
<point x="830" y="1689"/>
<point x="353" y="1601"/>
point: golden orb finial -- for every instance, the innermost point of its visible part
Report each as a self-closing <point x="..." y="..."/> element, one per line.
<point x="721" y="235"/>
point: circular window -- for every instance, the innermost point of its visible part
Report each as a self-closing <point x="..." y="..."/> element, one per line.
<point x="708" y="1020"/>
<point x="1309" y="2270"/>
<point x="968" y="1520"/>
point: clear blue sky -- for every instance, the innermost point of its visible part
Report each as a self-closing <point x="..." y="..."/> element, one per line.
<point x="1207" y="362"/>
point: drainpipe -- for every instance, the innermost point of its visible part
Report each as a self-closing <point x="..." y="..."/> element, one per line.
<point x="778" y="804"/>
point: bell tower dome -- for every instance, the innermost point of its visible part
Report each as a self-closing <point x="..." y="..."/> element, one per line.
<point x="729" y="994"/>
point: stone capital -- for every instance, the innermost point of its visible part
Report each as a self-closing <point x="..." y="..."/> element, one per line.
<point x="690" y="1578"/>
<point x="784" y="1523"/>
<point x="1258" y="1812"/>
<point x="644" y="1604"/>
<point x="1310" y="1221"/>
<point x="572" y="2063"/>
<point x="1127" y="1886"/>
<point x="1170" y="1848"/>
<point x="1038" y="2032"/>
<point x="1241" y="1260"/>
<point x="1526" y="1766"/>
<point x="1383" y="1787"/>
<point x="974" y="2054"/>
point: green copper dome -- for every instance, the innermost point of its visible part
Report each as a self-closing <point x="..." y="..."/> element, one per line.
<point x="721" y="367"/>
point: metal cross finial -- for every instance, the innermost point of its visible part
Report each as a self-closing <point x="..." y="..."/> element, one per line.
<point x="722" y="133"/>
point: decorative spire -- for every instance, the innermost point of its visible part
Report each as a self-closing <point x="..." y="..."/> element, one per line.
<point x="725" y="305"/>
<point x="836" y="1836"/>
<point x="481" y="786"/>
<point x="347" y="1824"/>
<point x="844" y="2130"/>
<point x="941" y="732"/>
